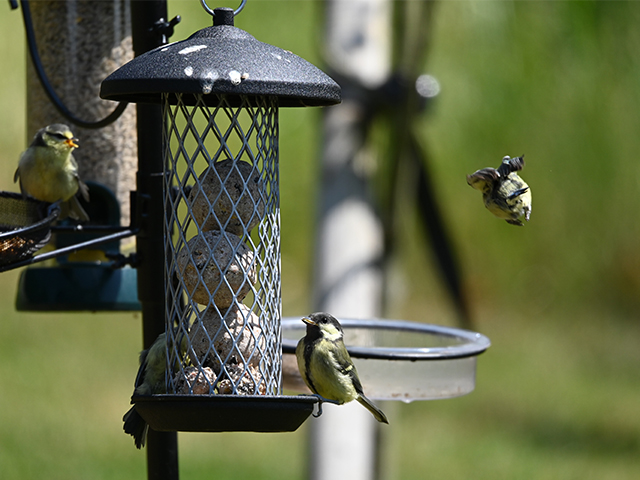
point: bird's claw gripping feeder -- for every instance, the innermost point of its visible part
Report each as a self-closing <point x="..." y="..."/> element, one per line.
<point x="220" y="92"/>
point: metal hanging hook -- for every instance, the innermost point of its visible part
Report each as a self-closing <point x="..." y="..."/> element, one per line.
<point x="213" y="14"/>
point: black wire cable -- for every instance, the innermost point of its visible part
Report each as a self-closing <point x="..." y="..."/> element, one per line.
<point x="48" y="88"/>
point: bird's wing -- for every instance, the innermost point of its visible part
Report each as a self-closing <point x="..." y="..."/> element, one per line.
<point x="141" y="369"/>
<point x="16" y="177"/>
<point x="83" y="189"/>
<point x="346" y="367"/>
<point x="483" y="179"/>
<point x="73" y="209"/>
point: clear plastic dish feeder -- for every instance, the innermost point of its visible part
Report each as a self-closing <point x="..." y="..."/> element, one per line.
<point x="399" y="360"/>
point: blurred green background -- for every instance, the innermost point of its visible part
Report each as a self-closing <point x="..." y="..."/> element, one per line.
<point x="558" y="393"/>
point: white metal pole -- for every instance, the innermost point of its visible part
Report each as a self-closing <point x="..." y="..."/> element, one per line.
<point x="348" y="263"/>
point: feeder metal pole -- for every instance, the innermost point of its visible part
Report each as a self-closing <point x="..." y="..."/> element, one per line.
<point x="162" y="447"/>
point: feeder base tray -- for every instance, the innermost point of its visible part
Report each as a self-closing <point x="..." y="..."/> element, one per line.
<point x="224" y="413"/>
<point x="81" y="287"/>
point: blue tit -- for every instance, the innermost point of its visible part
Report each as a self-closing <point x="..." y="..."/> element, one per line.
<point x="48" y="172"/>
<point x="505" y="194"/>
<point x="149" y="381"/>
<point x="325" y="364"/>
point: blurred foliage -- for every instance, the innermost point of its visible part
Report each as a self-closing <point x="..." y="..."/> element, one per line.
<point x="556" y="81"/>
<point x="557" y="392"/>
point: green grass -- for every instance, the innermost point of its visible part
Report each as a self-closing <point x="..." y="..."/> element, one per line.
<point x="553" y="401"/>
<point x="557" y="393"/>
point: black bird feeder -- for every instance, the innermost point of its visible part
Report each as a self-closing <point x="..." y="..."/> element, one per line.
<point x="220" y="92"/>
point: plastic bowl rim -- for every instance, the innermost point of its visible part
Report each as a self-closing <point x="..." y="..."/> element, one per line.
<point x="473" y="343"/>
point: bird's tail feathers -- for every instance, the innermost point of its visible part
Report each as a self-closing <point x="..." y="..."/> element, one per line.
<point x="136" y="426"/>
<point x="375" y="411"/>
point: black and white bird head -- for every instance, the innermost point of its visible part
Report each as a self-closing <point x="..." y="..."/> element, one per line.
<point x="323" y="325"/>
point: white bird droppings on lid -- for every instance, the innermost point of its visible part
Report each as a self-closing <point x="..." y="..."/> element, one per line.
<point x="192" y="49"/>
<point x="235" y="77"/>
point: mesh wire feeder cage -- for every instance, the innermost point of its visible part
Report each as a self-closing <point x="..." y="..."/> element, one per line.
<point x="220" y="92"/>
<point x="222" y="236"/>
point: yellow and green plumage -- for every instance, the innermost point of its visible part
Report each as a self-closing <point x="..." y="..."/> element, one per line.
<point x="149" y="381"/>
<point x="48" y="172"/>
<point x="505" y="194"/>
<point x="326" y="366"/>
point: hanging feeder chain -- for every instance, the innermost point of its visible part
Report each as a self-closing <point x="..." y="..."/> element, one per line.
<point x="48" y="88"/>
<point x="213" y="14"/>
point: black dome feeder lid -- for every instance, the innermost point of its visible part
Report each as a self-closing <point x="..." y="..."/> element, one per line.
<point x="221" y="59"/>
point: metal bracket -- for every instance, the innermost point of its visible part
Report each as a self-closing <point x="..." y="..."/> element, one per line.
<point x="165" y="28"/>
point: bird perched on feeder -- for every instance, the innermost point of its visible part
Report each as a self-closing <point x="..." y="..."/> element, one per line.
<point x="150" y="381"/>
<point x="505" y="194"/>
<point x="326" y="367"/>
<point x="48" y="172"/>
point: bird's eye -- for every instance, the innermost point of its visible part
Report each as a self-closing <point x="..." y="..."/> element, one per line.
<point x="58" y="136"/>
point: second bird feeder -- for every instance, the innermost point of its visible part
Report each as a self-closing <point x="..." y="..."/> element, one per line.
<point x="220" y="92"/>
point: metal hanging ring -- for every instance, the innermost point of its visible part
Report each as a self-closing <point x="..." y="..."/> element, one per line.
<point x="213" y="14"/>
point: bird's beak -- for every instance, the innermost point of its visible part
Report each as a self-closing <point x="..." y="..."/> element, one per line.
<point x="308" y="321"/>
<point x="72" y="142"/>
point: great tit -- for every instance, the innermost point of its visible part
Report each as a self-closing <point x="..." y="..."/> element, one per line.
<point x="325" y="364"/>
<point x="48" y="172"/>
<point x="505" y="194"/>
<point x="149" y="381"/>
